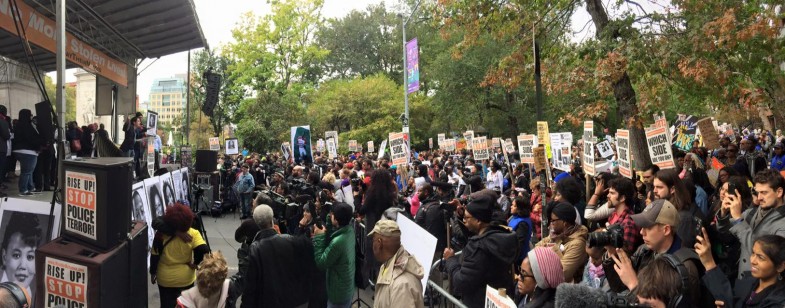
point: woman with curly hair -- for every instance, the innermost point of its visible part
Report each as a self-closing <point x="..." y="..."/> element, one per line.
<point x="174" y="257"/>
<point x="213" y="289"/>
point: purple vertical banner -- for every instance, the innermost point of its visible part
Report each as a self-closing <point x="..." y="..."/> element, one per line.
<point x="412" y="66"/>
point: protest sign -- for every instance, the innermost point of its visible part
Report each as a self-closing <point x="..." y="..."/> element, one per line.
<point x="332" y="134"/>
<point x="152" y="123"/>
<point x="508" y="146"/>
<point x="544" y="137"/>
<point x="496" y="142"/>
<point x="331" y="149"/>
<point x="556" y="145"/>
<point x="399" y="151"/>
<point x="440" y="140"/>
<point x="419" y="243"/>
<point x="352" y="145"/>
<point x="526" y="145"/>
<point x="496" y="299"/>
<point x="480" y="148"/>
<point x="588" y="157"/>
<point x="469" y="136"/>
<point x="540" y="160"/>
<point x="588" y="130"/>
<point x="623" y="151"/>
<point x="370" y="146"/>
<point x="711" y="139"/>
<point x="320" y="145"/>
<point x="65" y="284"/>
<point x="286" y="150"/>
<point x="80" y="209"/>
<point x="215" y="144"/>
<point x="382" y="148"/>
<point x="685" y="126"/>
<point x="301" y="144"/>
<point x="430" y="143"/>
<point x="449" y="144"/>
<point x="232" y="146"/>
<point x="605" y="149"/>
<point x="660" y="147"/>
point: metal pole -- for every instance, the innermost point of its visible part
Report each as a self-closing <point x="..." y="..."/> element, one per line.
<point x="187" y="123"/>
<point x="405" y="79"/>
<point x="60" y="94"/>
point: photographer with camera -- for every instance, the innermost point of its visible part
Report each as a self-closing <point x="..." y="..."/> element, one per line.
<point x="621" y="196"/>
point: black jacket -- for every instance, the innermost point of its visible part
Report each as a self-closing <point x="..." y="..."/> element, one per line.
<point x="431" y="217"/>
<point x="26" y="137"/>
<point x="280" y="269"/>
<point x="5" y="134"/>
<point x="719" y="285"/>
<point x="487" y="260"/>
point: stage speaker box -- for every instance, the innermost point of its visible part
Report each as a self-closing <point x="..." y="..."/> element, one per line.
<point x="73" y="275"/>
<point x="44" y="122"/>
<point x="97" y="201"/>
<point x="213" y="86"/>
<point x="138" y="241"/>
<point x="206" y="160"/>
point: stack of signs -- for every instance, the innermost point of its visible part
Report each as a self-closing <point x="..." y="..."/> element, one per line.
<point x="526" y="145"/>
<point x="331" y="149"/>
<point x="448" y="144"/>
<point x="623" y="150"/>
<point x="544" y="137"/>
<point x="496" y="142"/>
<point x="480" y="148"/>
<point x="606" y="151"/>
<point x="370" y="146"/>
<point x="469" y="136"/>
<point x="588" y="147"/>
<point x="332" y="134"/>
<point x="215" y="144"/>
<point x="320" y="145"/>
<point x="399" y="150"/>
<point x="686" y="129"/>
<point x="352" y="145"/>
<point x="660" y="147"/>
<point x="711" y="139"/>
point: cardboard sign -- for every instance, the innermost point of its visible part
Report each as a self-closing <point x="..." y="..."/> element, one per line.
<point x="496" y="142"/>
<point x="80" y="199"/>
<point x="331" y="149"/>
<point x="370" y="146"/>
<point x="469" y="136"/>
<point x="660" y="147"/>
<point x="399" y="151"/>
<point x="480" y="148"/>
<point x="588" y="157"/>
<point x="623" y="151"/>
<point x="711" y="139"/>
<point x="526" y="145"/>
<point x="544" y="136"/>
<point x="215" y="144"/>
<point x="606" y="151"/>
<point x="494" y="299"/>
<point x="352" y="145"/>
<point x="66" y="284"/>
<point x="540" y="160"/>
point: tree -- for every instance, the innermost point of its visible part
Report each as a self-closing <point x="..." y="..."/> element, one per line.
<point x="70" y="99"/>
<point x="231" y="92"/>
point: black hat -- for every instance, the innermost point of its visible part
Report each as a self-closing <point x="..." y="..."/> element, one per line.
<point x="482" y="204"/>
<point x="342" y="212"/>
<point x="564" y="211"/>
<point x="442" y="185"/>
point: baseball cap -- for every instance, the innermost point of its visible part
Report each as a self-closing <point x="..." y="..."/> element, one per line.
<point x="386" y="227"/>
<point x="658" y="212"/>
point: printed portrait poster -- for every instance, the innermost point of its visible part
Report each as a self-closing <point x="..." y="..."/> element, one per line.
<point x="185" y="156"/>
<point x="184" y="184"/>
<point x="155" y="197"/>
<point x="80" y="204"/>
<point x="232" y="146"/>
<point x="331" y="148"/>
<point x="215" y="144"/>
<point x="167" y="184"/>
<point x="332" y="134"/>
<point x="152" y="123"/>
<point x="606" y="151"/>
<point x="301" y="144"/>
<point x="25" y="222"/>
<point x="141" y="212"/>
<point x="177" y="179"/>
<point x="67" y="283"/>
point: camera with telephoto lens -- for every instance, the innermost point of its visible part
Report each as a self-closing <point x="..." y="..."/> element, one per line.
<point x="355" y="181"/>
<point x="613" y="236"/>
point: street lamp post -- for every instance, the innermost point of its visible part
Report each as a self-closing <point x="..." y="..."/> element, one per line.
<point x="406" y="118"/>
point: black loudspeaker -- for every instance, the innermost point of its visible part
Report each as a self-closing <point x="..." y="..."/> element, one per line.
<point x="98" y="201"/>
<point x="44" y="123"/>
<point x="213" y="86"/>
<point x="139" y="241"/>
<point x="206" y="160"/>
<point x="73" y="275"/>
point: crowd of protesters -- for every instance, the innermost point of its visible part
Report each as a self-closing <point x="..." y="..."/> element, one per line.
<point x="708" y="233"/>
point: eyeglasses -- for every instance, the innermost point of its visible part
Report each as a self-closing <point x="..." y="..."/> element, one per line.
<point x="552" y="220"/>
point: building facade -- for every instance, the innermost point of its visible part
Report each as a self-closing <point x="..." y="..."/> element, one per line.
<point x="167" y="98"/>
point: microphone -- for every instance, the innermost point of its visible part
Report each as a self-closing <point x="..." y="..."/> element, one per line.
<point x="570" y="295"/>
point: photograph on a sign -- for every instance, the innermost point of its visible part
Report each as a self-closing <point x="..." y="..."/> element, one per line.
<point x="232" y="146"/>
<point x="152" y="123"/>
<point x="331" y="149"/>
<point x="301" y="144"/>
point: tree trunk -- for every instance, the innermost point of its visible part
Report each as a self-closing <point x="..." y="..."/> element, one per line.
<point x="512" y="119"/>
<point x="623" y="92"/>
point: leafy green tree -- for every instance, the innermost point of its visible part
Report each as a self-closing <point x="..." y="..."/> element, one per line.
<point x="230" y="93"/>
<point x="70" y="99"/>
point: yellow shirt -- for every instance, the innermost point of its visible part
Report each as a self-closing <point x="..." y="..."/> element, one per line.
<point x="173" y="269"/>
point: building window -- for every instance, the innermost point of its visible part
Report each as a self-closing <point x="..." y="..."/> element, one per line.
<point x="165" y="99"/>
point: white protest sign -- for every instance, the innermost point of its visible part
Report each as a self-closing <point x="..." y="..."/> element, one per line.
<point x="497" y="142"/>
<point x="449" y="144"/>
<point x="480" y="148"/>
<point x="588" y="157"/>
<point x="469" y="136"/>
<point x="494" y="299"/>
<point x="430" y="143"/>
<point x="215" y="144"/>
<point x="370" y="146"/>
<point x="623" y="151"/>
<point x="352" y="145"/>
<point x="605" y="149"/>
<point x="556" y="145"/>
<point x="80" y="210"/>
<point x="440" y="140"/>
<point x="509" y="147"/>
<point x="526" y="145"/>
<point x="332" y="134"/>
<point x="660" y="147"/>
<point x="419" y="243"/>
<point x="399" y="152"/>
<point x="331" y="148"/>
<point x="382" y="148"/>
<point x="65" y="284"/>
<point x="320" y="145"/>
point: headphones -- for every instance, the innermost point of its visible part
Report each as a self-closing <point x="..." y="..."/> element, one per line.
<point x="678" y="301"/>
<point x="19" y="294"/>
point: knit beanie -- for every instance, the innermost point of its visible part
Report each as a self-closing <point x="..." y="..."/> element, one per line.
<point x="482" y="204"/>
<point x="546" y="267"/>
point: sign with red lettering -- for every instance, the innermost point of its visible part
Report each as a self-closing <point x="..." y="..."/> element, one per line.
<point x="66" y="284"/>
<point x="80" y="199"/>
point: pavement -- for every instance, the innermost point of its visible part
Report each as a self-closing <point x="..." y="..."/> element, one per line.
<point x="220" y="236"/>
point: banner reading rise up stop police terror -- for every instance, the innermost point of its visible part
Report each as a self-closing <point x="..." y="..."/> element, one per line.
<point x="65" y="284"/>
<point x="80" y="199"/>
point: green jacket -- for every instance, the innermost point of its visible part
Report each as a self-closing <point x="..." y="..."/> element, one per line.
<point x="337" y="259"/>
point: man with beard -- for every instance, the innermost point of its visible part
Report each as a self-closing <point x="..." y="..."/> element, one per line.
<point x="488" y="256"/>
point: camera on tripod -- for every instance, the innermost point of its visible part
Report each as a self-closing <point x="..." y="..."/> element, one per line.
<point x="613" y="236"/>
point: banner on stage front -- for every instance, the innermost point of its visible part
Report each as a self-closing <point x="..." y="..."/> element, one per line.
<point x="399" y="151"/>
<point x="623" y="152"/>
<point x="480" y="148"/>
<point x="660" y="147"/>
